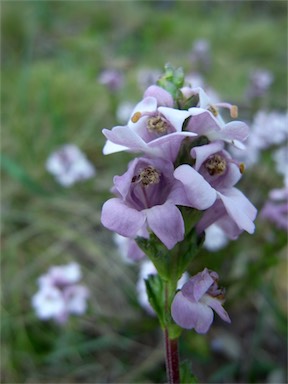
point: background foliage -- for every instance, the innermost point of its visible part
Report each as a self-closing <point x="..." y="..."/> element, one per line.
<point x="52" y="55"/>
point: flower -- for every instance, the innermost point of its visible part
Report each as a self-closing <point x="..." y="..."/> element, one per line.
<point x="112" y="79"/>
<point x="260" y="81"/>
<point x="147" y="195"/>
<point x="215" y="238"/>
<point x="192" y="305"/>
<point x="206" y="121"/>
<point x="154" y="128"/>
<point x="215" y="167"/>
<point x="128" y="248"/>
<point x="276" y="208"/>
<point x="69" y="165"/>
<point x="60" y="294"/>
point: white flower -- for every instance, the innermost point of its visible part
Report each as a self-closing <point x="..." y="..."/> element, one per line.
<point x="215" y="238"/>
<point x="59" y="295"/>
<point x="69" y="165"/>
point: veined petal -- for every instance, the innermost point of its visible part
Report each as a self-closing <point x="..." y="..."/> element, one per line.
<point x="120" y="218"/>
<point x="239" y="208"/>
<point x="148" y="104"/>
<point x="162" y="96"/>
<point x="199" y="192"/>
<point x="216" y="304"/>
<point x="125" y="136"/>
<point x="167" y="223"/>
<point x="197" y="286"/>
<point x="110" y="147"/>
<point x="175" y="116"/>
<point x="190" y="315"/>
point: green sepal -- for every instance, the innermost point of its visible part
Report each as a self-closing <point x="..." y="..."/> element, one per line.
<point x="171" y="264"/>
<point x="172" y="80"/>
<point x="156" y="295"/>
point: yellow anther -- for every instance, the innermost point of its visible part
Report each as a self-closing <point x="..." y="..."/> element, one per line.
<point x="234" y="111"/>
<point x="241" y="168"/>
<point x="136" y="117"/>
<point x="213" y="110"/>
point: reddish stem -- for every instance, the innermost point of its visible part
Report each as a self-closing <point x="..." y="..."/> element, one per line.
<point x="172" y="359"/>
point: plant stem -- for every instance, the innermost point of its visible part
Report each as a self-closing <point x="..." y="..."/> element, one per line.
<point x="171" y="348"/>
<point x="172" y="359"/>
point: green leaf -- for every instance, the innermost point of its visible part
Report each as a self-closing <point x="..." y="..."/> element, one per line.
<point x="156" y="296"/>
<point x="186" y="375"/>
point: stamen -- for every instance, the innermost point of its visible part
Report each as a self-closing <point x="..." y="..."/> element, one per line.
<point x="157" y="124"/>
<point x="234" y="111"/>
<point x="147" y="176"/>
<point x="241" y="168"/>
<point x="215" y="165"/>
<point x="136" y="117"/>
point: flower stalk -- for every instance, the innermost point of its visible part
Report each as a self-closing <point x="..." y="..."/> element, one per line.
<point x="172" y="359"/>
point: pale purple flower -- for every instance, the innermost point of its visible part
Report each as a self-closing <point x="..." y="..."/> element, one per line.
<point x="215" y="167"/>
<point x="193" y="305"/>
<point x="280" y="156"/>
<point x="60" y="294"/>
<point x="112" y="79"/>
<point x="147" y="268"/>
<point x="276" y="208"/>
<point x="128" y="248"/>
<point x="260" y="81"/>
<point x="147" y="77"/>
<point x="267" y="129"/>
<point x="153" y="129"/>
<point x="206" y="121"/>
<point x="69" y="165"/>
<point x="147" y="197"/>
<point x="201" y="54"/>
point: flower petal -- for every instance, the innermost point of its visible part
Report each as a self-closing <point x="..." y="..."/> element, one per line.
<point x="175" y="116"/>
<point x="202" y="152"/>
<point x="239" y="208"/>
<point x="190" y="315"/>
<point x="197" y="286"/>
<point x="167" y="223"/>
<point x="200" y="193"/>
<point x="216" y="304"/>
<point x="120" y="218"/>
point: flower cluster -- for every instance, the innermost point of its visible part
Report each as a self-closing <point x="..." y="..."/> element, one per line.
<point x="184" y="170"/>
<point x="184" y="162"/>
<point x="60" y="294"/>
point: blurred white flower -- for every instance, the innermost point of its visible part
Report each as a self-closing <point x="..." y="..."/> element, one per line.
<point x="69" y="165"/>
<point x="260" y="82"/>
<point x="59" y="294"/>
<point x="201" y="54"/>
<point x="124" y="111"/>
<point x="147" y="77"/>
<point x="280" y="156"/>
<point x="215" y="238"/>
<point x="267" y="129"/>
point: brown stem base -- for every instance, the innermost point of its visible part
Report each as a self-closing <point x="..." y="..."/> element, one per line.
<point x="172" y="359"/>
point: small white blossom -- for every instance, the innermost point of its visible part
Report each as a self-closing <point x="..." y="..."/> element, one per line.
<point x="69" y="165"/>
<point x="215" y="238"/>
<point x="60" y="294"/>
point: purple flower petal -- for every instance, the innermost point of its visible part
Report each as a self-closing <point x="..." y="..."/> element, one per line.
<point x="200" y="194"/>
<point x="197" y="286"/>
<point x="163" y="97"/>
<point x="120" y="218"/>
<point x="216" y="304"/>
<point x="202" y="152"/>
<point x="239" y="208"/>
<point x="175" y="116"/>
<point x="190" y="315"/>
<point x="167" y="223"/>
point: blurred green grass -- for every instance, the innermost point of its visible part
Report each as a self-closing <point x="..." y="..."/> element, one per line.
<point x="52" y="54"/>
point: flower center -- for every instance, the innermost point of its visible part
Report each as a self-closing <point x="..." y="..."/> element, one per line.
<point x="156" y="124"/>
<point x="147" y="176"/>
<point x="215" y="165"/>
